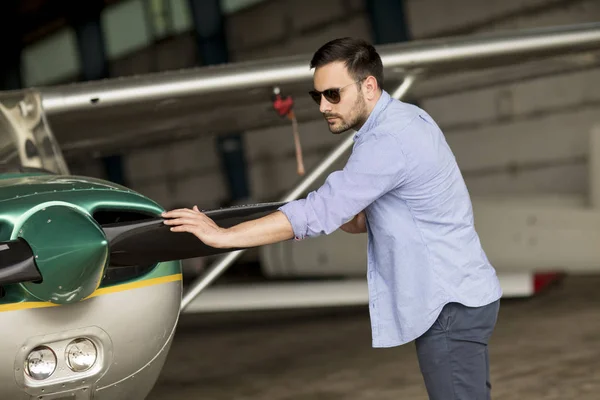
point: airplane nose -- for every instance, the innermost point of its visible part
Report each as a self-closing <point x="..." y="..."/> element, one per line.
<point x="71" y="253"/>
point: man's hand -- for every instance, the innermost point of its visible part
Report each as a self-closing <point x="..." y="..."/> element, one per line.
<point x="358" y="224"/>
<point x="198" y="224"/>
<point x="269" y="229"/>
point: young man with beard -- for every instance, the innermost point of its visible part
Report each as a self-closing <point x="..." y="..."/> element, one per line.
<point x="429" y="279"/>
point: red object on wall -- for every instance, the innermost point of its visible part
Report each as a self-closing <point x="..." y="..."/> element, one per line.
<point x="543" y="280"/>
<point x="283" y="106"/>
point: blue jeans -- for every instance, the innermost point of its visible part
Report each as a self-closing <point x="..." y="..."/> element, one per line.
<point x="453" y="353"/>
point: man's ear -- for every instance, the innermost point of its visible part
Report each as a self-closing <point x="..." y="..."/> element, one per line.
<point x="371" y="88"/>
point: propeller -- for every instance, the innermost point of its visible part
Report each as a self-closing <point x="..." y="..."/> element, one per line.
<point x="17" y="263"/>
<point x="151" y="241"/>
<point x="129" y="243"/>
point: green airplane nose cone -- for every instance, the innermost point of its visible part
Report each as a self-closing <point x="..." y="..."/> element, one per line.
<point x="71" y="253"/>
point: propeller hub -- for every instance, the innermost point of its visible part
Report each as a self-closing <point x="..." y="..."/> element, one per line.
<point x="71" y="252"/>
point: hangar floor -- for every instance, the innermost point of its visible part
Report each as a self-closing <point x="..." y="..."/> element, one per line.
<point x="547" y="347"/>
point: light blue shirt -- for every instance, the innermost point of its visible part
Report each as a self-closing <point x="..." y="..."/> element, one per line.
<point x="423" y="250"/>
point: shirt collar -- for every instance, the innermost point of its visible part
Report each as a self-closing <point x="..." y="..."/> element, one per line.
<point x="381" y="105"/>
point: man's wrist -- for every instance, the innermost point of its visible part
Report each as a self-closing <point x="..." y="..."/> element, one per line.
<point x="225" y="239"/>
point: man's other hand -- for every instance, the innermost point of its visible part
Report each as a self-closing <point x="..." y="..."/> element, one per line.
<point x="358" y="224"/>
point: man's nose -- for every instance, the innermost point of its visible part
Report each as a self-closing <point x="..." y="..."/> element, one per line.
<point x="325" y="106"/>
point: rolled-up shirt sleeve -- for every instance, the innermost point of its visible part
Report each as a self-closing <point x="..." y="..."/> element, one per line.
<point x="377" y="165"/>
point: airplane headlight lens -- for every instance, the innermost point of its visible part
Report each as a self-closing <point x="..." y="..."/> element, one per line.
<point x="81" y="355"/>
<point x="41" y="363"/>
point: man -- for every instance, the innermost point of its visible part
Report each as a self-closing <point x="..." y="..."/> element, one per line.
<point x="429" y="279"/>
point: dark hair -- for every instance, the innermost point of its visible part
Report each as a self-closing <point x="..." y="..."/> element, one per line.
<point x="360" y="57"/>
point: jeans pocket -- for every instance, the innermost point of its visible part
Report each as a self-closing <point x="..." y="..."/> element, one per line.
<point x="446" y="318"/>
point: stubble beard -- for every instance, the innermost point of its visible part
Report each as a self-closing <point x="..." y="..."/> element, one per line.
<point x="357" y="118"/>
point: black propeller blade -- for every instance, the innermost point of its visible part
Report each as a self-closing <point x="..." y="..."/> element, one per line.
<point x="17" y="263"/>
<point x="134" y="243"/>
<point x="151" y="241"/>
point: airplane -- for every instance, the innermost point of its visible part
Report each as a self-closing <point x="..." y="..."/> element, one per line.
<point x="90" y="277"/>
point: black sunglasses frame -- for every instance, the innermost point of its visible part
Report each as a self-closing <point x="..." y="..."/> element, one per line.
<point x="332" y="95"/>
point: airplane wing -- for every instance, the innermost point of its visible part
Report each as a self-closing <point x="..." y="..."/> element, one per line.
<point x="120" y="112"/>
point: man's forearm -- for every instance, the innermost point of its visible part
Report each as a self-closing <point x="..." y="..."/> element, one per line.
<point x="270" y="229"/>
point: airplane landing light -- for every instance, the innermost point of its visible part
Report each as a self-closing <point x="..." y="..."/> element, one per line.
<point x="40" y="363"/>
<point x="81" y="355"/>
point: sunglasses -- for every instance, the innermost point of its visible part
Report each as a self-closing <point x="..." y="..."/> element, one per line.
<point x="331" y="95"/>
